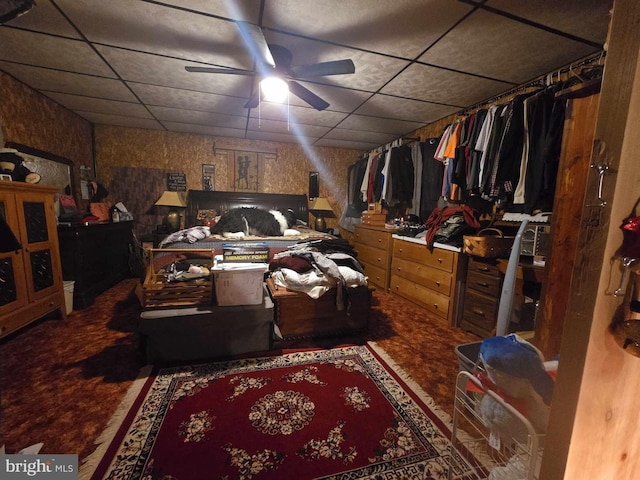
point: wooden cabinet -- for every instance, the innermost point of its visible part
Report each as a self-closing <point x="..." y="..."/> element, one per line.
<point x="373" y="245"/>
<point x="30" y="278"/>
<point x="482" y="296"/>
<point x="433" y="279"/>
<point x="95" y="256"/>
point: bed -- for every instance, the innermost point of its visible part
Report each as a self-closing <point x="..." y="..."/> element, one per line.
<point x="338" y="311"/>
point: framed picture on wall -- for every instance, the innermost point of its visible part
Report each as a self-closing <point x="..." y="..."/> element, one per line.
<point x="208" y="177"/>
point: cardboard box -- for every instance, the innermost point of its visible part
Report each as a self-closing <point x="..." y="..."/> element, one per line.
<point x="245" y="253"/>
<point x="239" y="283"/>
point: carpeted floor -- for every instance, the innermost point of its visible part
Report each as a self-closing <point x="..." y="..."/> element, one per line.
<point x="61" y="381"/>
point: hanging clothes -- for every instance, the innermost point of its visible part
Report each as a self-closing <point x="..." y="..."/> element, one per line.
<point x="416" y="158"/>
<point x="432" y="175"/>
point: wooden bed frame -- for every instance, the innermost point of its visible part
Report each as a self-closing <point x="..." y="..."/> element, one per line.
<point x="225" y="201"/>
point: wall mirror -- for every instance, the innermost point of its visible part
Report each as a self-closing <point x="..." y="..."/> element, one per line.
<point x="53" y="170"/>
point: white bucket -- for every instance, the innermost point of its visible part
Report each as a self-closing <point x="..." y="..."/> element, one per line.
<point x="68" y="295"/>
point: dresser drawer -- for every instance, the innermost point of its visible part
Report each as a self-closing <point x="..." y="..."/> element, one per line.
<point x="485" y="267"/>
<point x="480" y="310"/>
<point x="416" y="252"/>
<point x="424" y="275"/>
<point x="487" y="284"/>
<point x="433" y="301"/>
<point x="373" y="256"/>
<point x="376" y="275"/>
<point x="372" y="238"/>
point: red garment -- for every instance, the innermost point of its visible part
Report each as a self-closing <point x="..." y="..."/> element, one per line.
<point x="439" y="215"/>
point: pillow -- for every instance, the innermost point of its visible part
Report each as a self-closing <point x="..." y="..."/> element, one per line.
<point x="208" y="217"/>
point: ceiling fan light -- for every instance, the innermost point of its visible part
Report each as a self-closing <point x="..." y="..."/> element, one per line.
<point x="274" y="89"/>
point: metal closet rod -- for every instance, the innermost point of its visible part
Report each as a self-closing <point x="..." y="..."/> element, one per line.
<point x="538" y="82"/>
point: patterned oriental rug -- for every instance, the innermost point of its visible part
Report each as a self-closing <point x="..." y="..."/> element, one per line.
<point x="340" y="413"/>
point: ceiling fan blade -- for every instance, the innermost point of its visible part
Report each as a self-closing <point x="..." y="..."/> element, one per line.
<point x="256" y="43"/>
<point x="307" y="95"/>
<point x="254" y="100"/>
<point x="338" y="67"/>
<point x="232" y="71"/>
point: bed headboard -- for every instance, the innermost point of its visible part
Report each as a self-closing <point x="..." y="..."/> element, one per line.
<point x="224" y="201"/>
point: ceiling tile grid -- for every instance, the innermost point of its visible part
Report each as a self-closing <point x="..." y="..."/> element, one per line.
<point x="122" y="62"/>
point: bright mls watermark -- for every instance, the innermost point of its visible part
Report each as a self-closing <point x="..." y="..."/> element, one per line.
<point x="52" y="467"/>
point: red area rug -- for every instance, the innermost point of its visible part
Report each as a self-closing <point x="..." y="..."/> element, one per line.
<point x="340" y="413"/>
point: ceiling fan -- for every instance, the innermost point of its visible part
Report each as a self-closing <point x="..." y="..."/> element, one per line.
<point x="275" y="60"/>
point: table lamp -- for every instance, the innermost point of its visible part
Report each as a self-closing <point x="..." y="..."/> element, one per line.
<point x="321" y="209"/>
<point x="174" y="201"/>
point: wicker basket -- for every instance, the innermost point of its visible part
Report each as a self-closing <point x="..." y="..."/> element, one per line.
<point x="158" y="292"/>
<point x="488" y="243"/>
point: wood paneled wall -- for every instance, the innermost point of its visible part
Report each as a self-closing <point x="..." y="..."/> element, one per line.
<point x="30" y="118"/>
<point x="288" y="172"/>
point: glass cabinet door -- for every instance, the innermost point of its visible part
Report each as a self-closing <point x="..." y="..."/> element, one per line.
<point x="13" y="289"/>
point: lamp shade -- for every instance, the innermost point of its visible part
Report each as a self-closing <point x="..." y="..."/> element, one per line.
<point x="320" y="207"/>
<point x="170" y="199"/>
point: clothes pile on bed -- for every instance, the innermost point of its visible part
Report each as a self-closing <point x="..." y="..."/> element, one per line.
<point x="316" y="266"/>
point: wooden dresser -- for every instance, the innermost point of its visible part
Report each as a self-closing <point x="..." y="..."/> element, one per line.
<point x="373" y="245"/>
<point x="30" y="277"/>
<point x="482" y="297"/>
<point x="432" y="279"/>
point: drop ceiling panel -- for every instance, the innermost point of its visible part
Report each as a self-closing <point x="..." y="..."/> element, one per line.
<point x="373" y="70"/>
<point x="48" y="51"/>
<point x="404" y="109"/>
<point x="99" y="105"/>
<point x="500" y="48"/>
<point x="159" y="29"/>
<point x="131" y="122"/>
<point x="197" y="117"/>
<point x="203" y="129"/>
<point x="359" y="136"/>
<point x="305" y="115"/>
<point x="169" y="72"/>
<point x="403" y="28"/>
<point x="44" y="17"/>
<point x="588" y="19"/>
<point x="187" y="99"/>
<point x="286" y="128"/>
<point x="246" y="10"/>
<point x="278" y="137"/>
<point x="378" y="124"/>
<point x="104" y="59"/>
<point x="326" y="142"/>
<point x="442" y="86"/>
<point x="64" y="82"/>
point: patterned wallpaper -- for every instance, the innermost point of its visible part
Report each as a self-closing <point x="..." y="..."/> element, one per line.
<point x="31" y="119"/>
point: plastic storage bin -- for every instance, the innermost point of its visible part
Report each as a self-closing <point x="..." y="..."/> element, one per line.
<point x="468" y="356"/>
<point x="239" y="284"/>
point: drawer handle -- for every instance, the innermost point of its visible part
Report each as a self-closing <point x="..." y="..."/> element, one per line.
<point x="483" y="284"/>
<point x="478" y="311"/>
<point x="439" y="260"/>
<point x="483" y="269"/>
<point x="438" y="284"/>
<point x="435" y="305"/>
<point x="379" y="240"/>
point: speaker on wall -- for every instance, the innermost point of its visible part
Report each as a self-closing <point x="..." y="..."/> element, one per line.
<point x="314" y="185"/>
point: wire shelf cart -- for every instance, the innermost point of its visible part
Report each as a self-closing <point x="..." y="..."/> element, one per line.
<point x="508" y="450"/>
